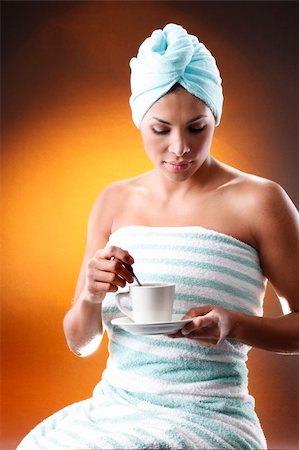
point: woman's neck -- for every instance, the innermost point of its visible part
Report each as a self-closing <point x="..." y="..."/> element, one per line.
<point x="166" y="188"/>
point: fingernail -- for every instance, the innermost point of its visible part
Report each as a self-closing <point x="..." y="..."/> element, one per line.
<point x="184" y="332"/>
<point x="130" y="259"/>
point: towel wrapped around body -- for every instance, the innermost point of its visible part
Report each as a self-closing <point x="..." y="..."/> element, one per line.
<point x="163" y="393"/>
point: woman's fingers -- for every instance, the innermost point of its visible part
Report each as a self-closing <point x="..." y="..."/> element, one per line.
<point x="113" y="252"/>
<point x="109" y="271"/>
<point x="210" y="325"/>
<point x="99" y="280"/>
<point x="199" y="325"/>
<point x="199" y="311"/>
<point x="106" y="271"/>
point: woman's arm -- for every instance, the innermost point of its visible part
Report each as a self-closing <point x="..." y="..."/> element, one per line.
<point x="277" y="334"/>
<point x="275" y="228"/>
<point x="101" y="272"/>
<point x="212" y="324"/>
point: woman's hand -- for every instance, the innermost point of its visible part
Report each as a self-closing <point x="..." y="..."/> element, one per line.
<point x="106" y="273"/>
<point x="210" y="326"/>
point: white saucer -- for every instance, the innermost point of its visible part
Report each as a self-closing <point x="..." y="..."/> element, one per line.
<point x="151" y="328"/>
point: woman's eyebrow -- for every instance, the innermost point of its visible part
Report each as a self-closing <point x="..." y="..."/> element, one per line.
<point x="160" y="120"/>
<point x="197" y="117"/>
<point x="189" y="121"/>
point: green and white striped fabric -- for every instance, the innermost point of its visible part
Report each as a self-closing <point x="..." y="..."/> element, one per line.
<point x="163" y="393"/>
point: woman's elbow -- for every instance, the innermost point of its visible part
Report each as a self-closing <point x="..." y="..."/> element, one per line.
<point x="83" y="349"/>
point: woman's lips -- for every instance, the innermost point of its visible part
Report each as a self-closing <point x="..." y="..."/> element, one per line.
<point x="177" y="166"/>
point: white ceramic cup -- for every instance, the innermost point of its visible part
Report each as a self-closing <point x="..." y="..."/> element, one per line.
<point x="150" y="302"/>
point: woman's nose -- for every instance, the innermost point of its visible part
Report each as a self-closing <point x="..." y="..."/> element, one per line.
<point x="178" y="146"/>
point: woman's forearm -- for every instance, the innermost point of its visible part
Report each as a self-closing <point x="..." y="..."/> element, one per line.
<point x="277" y="334"/>
<point x="83" y="326"/>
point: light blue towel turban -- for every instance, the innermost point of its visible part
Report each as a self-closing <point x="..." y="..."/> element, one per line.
<point x="171" y="56"/>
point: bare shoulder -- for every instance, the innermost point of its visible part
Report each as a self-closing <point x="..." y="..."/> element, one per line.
<point x="110" y="201"/>
<point x="113" y="194"/>
<point x="263" y="196"/>
<point x="274" y="217"/>
<point x="274" y="226"/>
<point x="260" y="206"/>
<point x="256" y="193"/>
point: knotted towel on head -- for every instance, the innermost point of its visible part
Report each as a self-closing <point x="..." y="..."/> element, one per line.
<point x="172" y="56"/>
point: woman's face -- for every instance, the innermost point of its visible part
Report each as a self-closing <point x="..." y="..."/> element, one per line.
<point x="177" y="133"/>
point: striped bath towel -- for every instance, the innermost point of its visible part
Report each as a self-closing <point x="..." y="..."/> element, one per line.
<point x="163" y="393"/>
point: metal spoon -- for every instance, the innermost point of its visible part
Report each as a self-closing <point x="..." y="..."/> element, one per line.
<point x="130" y="269"/>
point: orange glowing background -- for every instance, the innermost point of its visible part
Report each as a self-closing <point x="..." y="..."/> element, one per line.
<point x="67" y="133"/>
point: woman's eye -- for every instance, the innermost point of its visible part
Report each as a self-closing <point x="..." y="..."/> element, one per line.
<point x="196" y="130"/>
<point x="157" y="131"/>
<point x="193" y="130"/>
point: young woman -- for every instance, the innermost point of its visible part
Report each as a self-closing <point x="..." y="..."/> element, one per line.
<point x="217" y="233"/>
